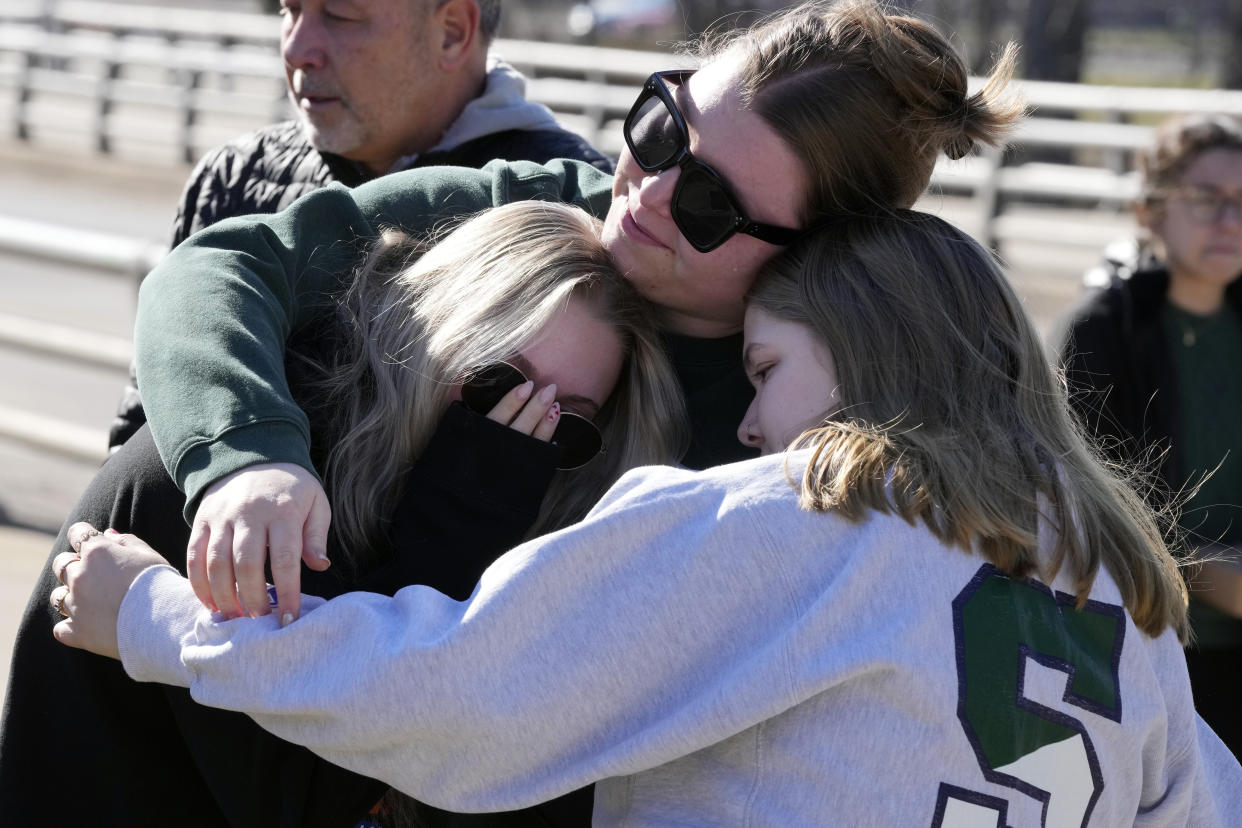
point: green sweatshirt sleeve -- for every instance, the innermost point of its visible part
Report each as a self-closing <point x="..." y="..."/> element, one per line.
<point x="214" y="316"/>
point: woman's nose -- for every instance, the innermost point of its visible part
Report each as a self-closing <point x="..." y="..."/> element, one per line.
<point x="655" y="191"/>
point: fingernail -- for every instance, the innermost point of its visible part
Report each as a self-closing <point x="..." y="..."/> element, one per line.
<point x="548" y="394"/>
<point x="525" y="388"/>
<point x="111" y="531"/>
<point x="554" y="411"/>
<point x="286" y="619"/>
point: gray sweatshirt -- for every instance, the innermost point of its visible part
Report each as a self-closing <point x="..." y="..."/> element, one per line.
<point x="713" y="655"/>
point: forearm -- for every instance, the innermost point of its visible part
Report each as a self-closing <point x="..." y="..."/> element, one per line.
<point x="587" y="654"/>
<point x="212" y="323"/>
<point x="1218" y="583"/>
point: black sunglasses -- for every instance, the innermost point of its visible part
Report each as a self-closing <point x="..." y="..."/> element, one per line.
<point x="703" y="209"/>
<point x="577" y="437"/>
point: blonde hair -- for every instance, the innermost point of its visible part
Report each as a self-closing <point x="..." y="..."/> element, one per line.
<point x="867" y="99"/>
<point x="418" y="317"/>
<point x="951" y="413"/>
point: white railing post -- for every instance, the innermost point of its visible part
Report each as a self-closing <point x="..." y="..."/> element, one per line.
<point x="190" y="81"/>
<point x="987" y="198"/>
<point x="22" y="96"/>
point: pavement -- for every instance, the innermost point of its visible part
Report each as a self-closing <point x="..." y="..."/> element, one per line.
<point x="22" y="555"/>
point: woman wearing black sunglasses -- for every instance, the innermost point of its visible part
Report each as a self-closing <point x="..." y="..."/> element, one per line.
<point x="826" y="109"/>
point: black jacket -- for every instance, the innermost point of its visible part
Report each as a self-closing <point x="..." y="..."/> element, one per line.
<point x="1120" y="372"/>
<point x="270" y="168"/>
<point x="146" y="754"/>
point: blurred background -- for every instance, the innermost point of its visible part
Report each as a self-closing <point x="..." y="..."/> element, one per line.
<point x="105" y="106"/>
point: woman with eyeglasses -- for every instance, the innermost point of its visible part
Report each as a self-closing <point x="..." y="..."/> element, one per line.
<point x="824" y="110"/>
<point x="936" y="608"/>
<point x="1152" y="354"/>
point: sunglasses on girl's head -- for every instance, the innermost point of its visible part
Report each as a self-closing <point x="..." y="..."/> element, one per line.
<point x="703" y="209"/>
<point x="576" y="436"/>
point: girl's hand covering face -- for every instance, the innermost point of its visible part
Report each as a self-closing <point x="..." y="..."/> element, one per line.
<point x="279" y="510"/>
<point x="95" y="579"/>
<point x="534" y="414"/>
<point x="276" y="508"/>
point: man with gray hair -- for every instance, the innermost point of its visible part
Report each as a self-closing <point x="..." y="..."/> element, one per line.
<point x="378" y="86"/>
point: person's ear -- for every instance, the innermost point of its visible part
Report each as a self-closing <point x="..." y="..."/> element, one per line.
<point x="458" y="23"/>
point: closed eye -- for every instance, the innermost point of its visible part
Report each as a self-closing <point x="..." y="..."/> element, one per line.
<point x="760" y="374"/>
<point x="342" y="13"/>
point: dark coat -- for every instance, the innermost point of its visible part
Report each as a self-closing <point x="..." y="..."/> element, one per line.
<point x="1120" y="372"/>
<point x="149" y="755"/>
<point x="267" y="170"/>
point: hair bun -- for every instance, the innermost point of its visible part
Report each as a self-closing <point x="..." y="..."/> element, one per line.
<point x="959" y="147"/>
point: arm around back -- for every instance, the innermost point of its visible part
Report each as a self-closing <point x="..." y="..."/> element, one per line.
<point x="521" y="693"/>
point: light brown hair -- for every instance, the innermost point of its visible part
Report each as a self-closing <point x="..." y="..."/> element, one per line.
<point x="951" y="414"/>
<point x="868" y="99"/>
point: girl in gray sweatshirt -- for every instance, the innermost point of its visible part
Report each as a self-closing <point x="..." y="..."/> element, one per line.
<point x="927" y="604"/>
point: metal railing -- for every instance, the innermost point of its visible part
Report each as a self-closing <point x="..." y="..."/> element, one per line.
<point x="170" y="86"/>
<point x="187" y="79"/>
<point x="97" y="252"/>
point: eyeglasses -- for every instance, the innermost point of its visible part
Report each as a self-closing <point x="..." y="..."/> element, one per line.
<point x="1206" y="205"/>
<point x="703" y="209"/>
<point x="577" y="437"/>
